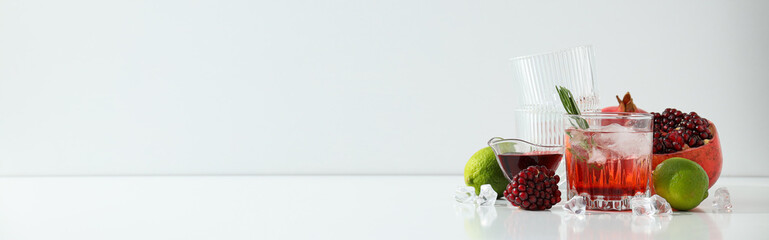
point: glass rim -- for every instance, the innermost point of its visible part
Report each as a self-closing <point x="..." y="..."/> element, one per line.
<point x="633" y="115"/>
<point x="499" y="139"/>
<point x="512" y="59"/>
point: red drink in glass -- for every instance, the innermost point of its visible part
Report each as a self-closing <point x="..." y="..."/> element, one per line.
<point x="608" y="164"/>
<point x="611" y="176"/>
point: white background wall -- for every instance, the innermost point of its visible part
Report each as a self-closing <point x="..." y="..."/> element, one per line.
<point x="342" y="86"/>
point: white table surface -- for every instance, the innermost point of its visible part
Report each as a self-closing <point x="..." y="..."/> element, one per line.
<point x="333" y="207"/>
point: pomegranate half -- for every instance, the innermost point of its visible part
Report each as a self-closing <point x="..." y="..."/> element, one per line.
<point x="708" y="156"/>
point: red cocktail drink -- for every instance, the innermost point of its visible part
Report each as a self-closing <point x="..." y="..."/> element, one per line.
<point x="609" y="162"/>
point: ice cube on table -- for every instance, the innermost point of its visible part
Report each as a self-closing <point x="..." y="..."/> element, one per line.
<point x="487" y="196"/>
<point x="642" y="206"/>
<point x="722" y="200"/>
<point x="661" y="206"/>
<point x="465" y="194"/>
<point x="575" y="205"/>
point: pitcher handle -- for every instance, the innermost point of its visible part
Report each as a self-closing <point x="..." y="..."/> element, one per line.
<point x="494" y="139"/>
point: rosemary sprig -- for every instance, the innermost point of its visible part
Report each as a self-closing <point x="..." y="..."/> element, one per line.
<point x="570" y="105"/>
<point x="571" y="108"/>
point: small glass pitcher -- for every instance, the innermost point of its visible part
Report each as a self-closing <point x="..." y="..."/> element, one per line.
<point x="514" y="155"/>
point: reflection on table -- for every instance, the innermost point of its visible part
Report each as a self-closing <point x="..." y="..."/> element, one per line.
<point x="503" y="221"/>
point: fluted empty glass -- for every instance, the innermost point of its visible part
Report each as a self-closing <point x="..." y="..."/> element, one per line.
<point x="539" y="114"/>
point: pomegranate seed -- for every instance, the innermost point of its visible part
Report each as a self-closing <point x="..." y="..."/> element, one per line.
<point x="692" y="141"/>
<point x="697" y="122"/>
<point x="676" y="146"/>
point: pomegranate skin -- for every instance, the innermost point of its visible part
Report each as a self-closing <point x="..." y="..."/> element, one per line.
<point x="616" y="109"/>
<point x="708" y="156"/>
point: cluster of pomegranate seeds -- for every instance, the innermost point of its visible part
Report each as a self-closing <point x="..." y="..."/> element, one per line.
<point x="675" y="131"/>
<point x="534" y="188"/>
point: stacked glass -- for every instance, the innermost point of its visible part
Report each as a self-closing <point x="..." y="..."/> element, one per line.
<point x="539" y="114"/>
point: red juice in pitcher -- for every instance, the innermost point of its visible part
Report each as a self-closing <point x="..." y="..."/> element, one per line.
<point x="512" y="163"/>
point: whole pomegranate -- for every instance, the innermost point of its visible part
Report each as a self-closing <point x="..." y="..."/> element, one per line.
<point x="534" y="188"/>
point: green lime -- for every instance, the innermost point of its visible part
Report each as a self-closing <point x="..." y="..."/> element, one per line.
<point x="682" y="182"/>
<point x="482" y="168"/>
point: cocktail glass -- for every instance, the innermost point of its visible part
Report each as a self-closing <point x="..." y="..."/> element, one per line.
<point x="608" y="158"/>
<point x="514" y="155"/>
